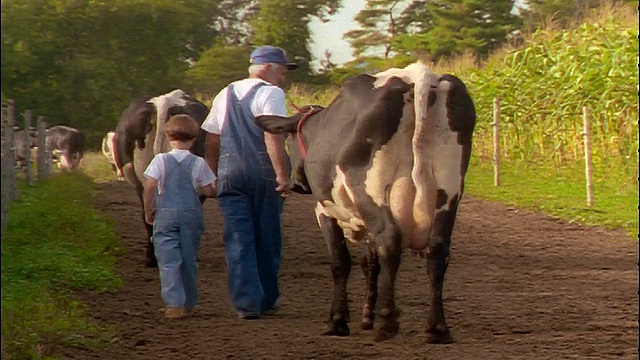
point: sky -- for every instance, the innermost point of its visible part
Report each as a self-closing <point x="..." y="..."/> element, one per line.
<point x="329" y="35"/>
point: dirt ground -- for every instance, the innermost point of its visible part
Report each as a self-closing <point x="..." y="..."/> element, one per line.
<point x="520" y="285"/>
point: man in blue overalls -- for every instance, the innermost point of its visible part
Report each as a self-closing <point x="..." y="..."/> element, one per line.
<point x="253" y="178"/>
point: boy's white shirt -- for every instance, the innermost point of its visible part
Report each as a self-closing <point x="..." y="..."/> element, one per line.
<point x="269" y="100"/>
<point x="201" y="174"/>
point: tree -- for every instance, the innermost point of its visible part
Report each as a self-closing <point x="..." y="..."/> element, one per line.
<point x="81" y="62"/>
<point x="378" y="27"/>
<point x="217" y="67"/>
<point x="232" y="23"/>
<point x="561" y="12"/>
<point x="457" y="26"/>
<point x="285" y="23"/>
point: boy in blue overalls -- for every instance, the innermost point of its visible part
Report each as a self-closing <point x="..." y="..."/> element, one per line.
<point x="172" y="205"/>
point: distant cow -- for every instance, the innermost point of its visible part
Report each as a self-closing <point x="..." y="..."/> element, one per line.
<point x="108" y="149"/>
<point x="66" y="145"/>
<point x="386" y="161"/>
<point x="139" y="136"/>
<point x="23" y="140"/>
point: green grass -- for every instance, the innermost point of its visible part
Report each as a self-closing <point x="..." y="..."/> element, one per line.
<point x="560" y="191"/>
<point x="97" y="167"/>
<point x="55" y="243"/>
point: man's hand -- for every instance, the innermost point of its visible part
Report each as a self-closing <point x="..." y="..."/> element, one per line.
<point x="149" y="216"/>
<point x="284" y="186"/>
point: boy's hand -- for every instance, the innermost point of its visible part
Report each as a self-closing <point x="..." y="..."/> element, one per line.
<point x="210" y="190"/>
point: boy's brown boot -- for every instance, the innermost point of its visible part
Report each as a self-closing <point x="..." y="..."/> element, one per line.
<point x="174" y="312"/>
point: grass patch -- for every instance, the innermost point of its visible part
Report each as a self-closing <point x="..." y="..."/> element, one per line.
<point x="560" y="191"/>
<point x="54" y="243"/>
<point x="97" y="167"/>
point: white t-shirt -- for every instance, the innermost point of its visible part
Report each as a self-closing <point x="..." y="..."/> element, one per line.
<point x="269" y="100"/>
<point x="201" y="174"/>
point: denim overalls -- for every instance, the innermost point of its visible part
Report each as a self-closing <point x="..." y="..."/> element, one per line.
<point x="251" y="209"/>
<point x="177" y="229"/>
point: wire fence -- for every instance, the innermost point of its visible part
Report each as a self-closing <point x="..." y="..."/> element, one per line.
<point x="22" y="150"/>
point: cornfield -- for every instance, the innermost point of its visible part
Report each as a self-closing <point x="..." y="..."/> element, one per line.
<point x="543" y="87"/>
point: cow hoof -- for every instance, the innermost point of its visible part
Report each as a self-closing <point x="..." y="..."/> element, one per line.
<point x="437" y="336"/>
<point x="367" y="324"/>
<point x="389" y="329"/>
<point x="338" y="328"/>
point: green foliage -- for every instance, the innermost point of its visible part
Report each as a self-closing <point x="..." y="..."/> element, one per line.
<point x="377" y="27"/>
<point x="82" y="62"/>
<point x="368" y="65"/>
<point x="284" y="23"/>
<point x="544" y="86"/>
<point x="97" y="167"/>
<point x="561" y="13"/>
<point x="217" y="67"/>
<point x="54" y="243"/>
<point x="561" y="191"/>
<point x="458" y="26"/>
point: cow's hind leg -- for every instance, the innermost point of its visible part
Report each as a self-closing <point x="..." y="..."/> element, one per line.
<point x="149" y="256"/>
<point x="389" y="256"/>
<point x="437" y="263"/>
<point x="371" y="269"/>
<point x="150" y="260"/>
<point x="340" y="270"/>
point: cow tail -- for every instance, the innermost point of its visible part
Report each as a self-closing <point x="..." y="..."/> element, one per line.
<point x="162" y="110"/>
<point x="422" y="78"/>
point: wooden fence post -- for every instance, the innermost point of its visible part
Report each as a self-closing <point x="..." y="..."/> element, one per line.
<point x="43" y="154"/>
<point x="496" y="141"/>
<point x="28" y="167"/>
<point x="587" y="155"/>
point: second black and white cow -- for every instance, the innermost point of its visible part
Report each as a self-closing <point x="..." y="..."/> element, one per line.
<point x="139" y="136"/>
<point x="66" y="145"/>
<point x="386" y="161"/>
<point x="108" y="150"/>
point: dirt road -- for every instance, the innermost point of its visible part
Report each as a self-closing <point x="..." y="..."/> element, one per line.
<point x="520" y="285"/>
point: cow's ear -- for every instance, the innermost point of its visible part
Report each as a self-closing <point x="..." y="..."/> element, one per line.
<point x="278" y="124"/>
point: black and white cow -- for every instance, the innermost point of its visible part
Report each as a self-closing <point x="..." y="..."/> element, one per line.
<point x="139" y="136"/>
<point x="386" y="161"/>
<point x="108" y="150"/>
<point x="66" y="145"/>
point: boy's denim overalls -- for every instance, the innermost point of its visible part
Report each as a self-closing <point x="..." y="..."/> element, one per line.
<point x="177" y="229"/>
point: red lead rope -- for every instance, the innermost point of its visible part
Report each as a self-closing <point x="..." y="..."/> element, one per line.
<point x="311" y="111"/>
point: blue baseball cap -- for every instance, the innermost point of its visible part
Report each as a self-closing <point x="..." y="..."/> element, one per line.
<point x="271" y="55"/>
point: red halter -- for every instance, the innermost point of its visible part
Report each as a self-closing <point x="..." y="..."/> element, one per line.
<point x="311" y="111"/>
